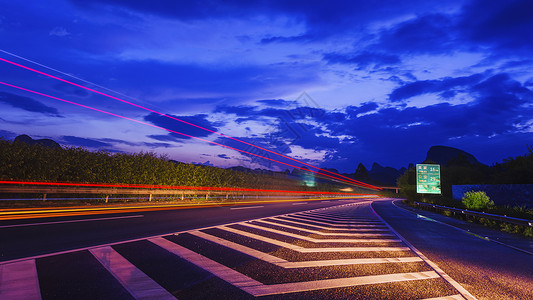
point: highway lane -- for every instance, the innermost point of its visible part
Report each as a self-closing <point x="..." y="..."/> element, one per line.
<point x="38" y="236"/>
<point x="487" y="269"/>
<point x="345" y="251"/>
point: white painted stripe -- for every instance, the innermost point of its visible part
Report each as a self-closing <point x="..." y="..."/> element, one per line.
<point x="134" y="280"/>
<point x="285" y="288"/>
<point x="303" y="264"/>
<point x="19" y="281"/>
<point x="257" y="289"/>
<point x="310" y="231"/>
<point x="337" y="221"/>
<point x="247" y="207"/>
<point x="313" y="240"/>
<point x="310" y="250"/>
<point x="237" y="279"/>
<point x="299" y="203"/>
<point x="452" y="297"/>
<point x="320" y="221"/>
<point x="72" y="221"/>
<point x="328" y="227"/>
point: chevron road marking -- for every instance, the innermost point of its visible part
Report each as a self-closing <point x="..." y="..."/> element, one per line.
<point x="311" y="250"/>
<point x="346" y="226"/>
<point x="327" y="227"/>
<point x="313" y="240"/>
<point x="257" y="289"/>
<point x="322" y="233"/>
<point x="302" y="264"/>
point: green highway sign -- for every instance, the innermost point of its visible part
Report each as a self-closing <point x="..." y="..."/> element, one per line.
<point x="428" y="179"/>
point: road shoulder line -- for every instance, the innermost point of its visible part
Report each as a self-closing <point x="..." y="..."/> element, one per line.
<point x="439" y="271"/>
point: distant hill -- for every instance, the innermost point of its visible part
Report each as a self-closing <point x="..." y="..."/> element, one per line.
<point x="43" y="142"/>
<point x="385" y="175"/>
<point x="444" y="155"/>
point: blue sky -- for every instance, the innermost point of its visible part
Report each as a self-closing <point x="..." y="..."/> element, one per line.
<point x="334" y="83"/>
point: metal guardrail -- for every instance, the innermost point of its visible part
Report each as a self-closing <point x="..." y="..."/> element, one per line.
<point x="149" y="192"/>
<point x="523" y="222"/>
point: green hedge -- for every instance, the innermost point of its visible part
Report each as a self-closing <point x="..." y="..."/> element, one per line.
<point x="20" y="161"/>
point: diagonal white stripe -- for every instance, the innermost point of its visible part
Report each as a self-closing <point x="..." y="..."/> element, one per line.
<point x="134" y="280"/>
<point x="19" y="281"/>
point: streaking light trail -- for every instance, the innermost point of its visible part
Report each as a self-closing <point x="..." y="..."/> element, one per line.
<point x="190" y="136"/>
<point x="179" y="120"/>
<point x="171" y="187"/>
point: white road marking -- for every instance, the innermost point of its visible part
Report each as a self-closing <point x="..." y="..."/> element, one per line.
<point x="134" y="280"/>
<point x="247" y="207"/>
<point x="332" y="220"/>
<point x="72" y="221"/>
<point x="310" y="231"/>
<point x="313" y="240"/>
<point x="299" y="203"/>
<point x="328" y="227"/>
<point x="19" y="281"/>
<point x="301" y="264"/>
<point x="285" y="288"/>
<point x="311" y="250"/>
<point x="345" y="225"/>
<point x="257" y="289"/>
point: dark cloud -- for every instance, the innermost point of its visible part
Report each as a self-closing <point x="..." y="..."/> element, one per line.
<point x="425" y="34"/>
<point x="322" y="19"/>
<point x="28" y="104"/>
<point x="506" y="25"/>
<point x="165" y="138"/>
<point x="158" y="145"/>
<point x="7" y="135"/>
<point x="434" y="86"/>
<point x="363" y="60"/>
<point x="174" y="125"/>
<point x="224" y="156"/>
<point x="499" y="109"/>
<point x="84" y="142"/>
<point x="361" y="109"/>
<point x="277" y="102"/>
<point x="211" y="79"/>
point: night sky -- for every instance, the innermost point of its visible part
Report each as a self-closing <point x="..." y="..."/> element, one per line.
<point x="333" y="82"/>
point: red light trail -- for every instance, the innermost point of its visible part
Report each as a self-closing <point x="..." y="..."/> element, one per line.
<point x="190" y="136"/>
<point x="171" y="187"/>
<point x="194" y="125"/>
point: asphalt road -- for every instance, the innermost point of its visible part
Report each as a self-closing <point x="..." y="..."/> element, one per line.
<point x="306" y="250"/>
<point x="38" y="236"/>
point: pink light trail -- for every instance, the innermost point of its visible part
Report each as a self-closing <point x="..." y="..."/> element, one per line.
<point x="188" y="123"/>
<point x="169" y="130"/>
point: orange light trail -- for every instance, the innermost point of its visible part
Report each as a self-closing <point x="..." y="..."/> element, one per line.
<point x="172" y="187"/>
